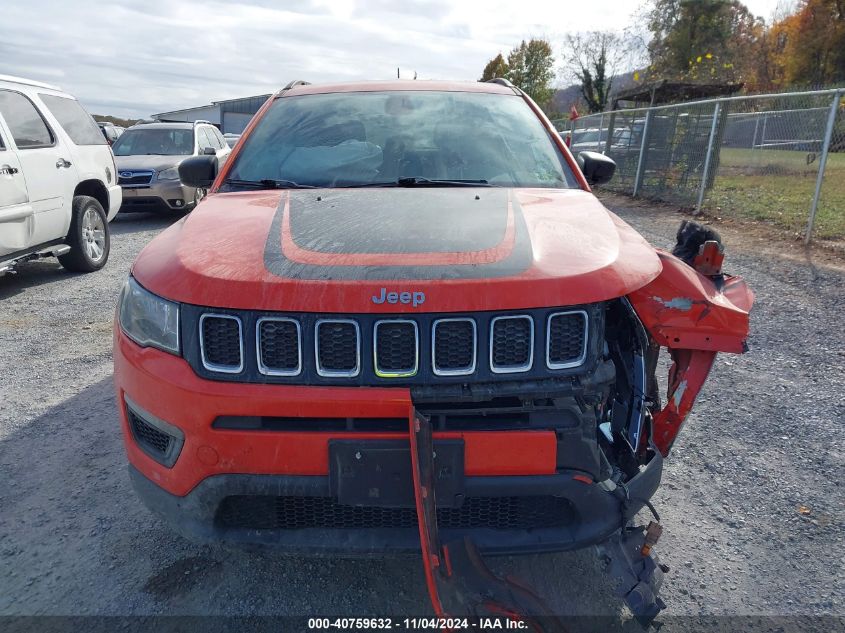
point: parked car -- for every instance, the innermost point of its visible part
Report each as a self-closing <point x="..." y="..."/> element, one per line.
<point x="148" y="157"/>
<point x="591" y="140"/>
<point x="401" y="321"/>
<point x="231" y="139"/>
<point x="57" y="179"/>
<point x="111" y="132"/>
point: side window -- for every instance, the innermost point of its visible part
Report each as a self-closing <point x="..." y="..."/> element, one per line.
<point x="78" y="124"/>
<point x="2" y="144"/>
<point x="24" y="121"/>
<point x="221" y="142"/>
<point x="202" y="139"/>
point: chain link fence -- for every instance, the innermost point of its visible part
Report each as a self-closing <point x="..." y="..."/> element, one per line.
<point x="776" y="158"/>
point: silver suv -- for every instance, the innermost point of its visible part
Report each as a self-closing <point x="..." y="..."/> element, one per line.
<point x="148" y="157"/>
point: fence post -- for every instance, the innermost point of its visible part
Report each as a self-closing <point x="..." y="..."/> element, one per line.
<point x="754" y="140"/>
<point x="828" y="134"/>
<point x="601" y="126"/>
<point x="708" y="157"/>
<point x="638" y="179"/>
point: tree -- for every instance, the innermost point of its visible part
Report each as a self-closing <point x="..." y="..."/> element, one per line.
<point x="809" y="45"/>
<point x="496" y="67"/>
<point x="593" y="59"/>
<point x="531" y="68"/>
<point x="716" y="40"/>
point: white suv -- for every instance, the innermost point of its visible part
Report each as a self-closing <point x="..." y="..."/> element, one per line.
<point x="58" y="184"/>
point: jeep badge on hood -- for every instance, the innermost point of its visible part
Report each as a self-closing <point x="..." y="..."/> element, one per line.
<point x="414" y="298"/>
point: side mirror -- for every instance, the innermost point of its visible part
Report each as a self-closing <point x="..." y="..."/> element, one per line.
<point x="597" y="168"/>
<point x="198" y="171"/>
<point x="209" y="151"/>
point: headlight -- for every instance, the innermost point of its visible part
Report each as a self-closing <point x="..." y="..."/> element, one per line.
<point x="171" y="173"/>
<point x="148" y="319"/>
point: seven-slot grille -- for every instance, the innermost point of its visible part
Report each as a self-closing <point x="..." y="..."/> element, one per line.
<point x="302" y="345"/>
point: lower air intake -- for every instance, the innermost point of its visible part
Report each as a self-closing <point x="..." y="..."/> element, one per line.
<point x="299" y="513"/>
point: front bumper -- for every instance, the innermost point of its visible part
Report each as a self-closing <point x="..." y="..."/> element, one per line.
<point x="160" y="195"/>
<point x="215" y="464"/>
<point x="596" y="513"/>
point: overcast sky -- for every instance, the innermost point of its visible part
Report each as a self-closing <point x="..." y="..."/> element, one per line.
<point x="137" y="57"/>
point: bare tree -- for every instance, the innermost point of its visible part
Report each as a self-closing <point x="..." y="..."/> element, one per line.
<point x="593" y="59"/>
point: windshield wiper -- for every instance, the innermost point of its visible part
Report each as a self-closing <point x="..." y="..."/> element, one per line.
<point x="414" y="181"/>
<point x="266" y="183"/>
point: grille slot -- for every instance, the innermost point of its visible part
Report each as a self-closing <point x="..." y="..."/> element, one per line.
<point x="221" y="343"/>
<point x="453" y="345"/>
<point x="511" y="344"/>
<point x="396" y="348"/>
<point x="566" y="339"/>
<point x="265" y="512"/>
<point x="279" y="346"/>
<point x="147" y="435"/>
<point x="338" y="347"/>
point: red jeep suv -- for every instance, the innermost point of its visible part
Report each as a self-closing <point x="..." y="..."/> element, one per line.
<point x="377" y="251"/>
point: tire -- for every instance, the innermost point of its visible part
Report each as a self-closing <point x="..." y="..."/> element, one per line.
<point x="88" y="237"/>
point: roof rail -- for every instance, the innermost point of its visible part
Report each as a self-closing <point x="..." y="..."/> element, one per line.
<point x="293" y="84"/>
<point x="501" y="81"/>
<point x="28" y="82"/>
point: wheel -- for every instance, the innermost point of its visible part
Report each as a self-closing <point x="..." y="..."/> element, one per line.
<point x="88" y="237"/>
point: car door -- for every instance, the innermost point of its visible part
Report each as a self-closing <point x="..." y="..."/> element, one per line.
<point x="45" y="162"/>
<point x="16" y="221"/>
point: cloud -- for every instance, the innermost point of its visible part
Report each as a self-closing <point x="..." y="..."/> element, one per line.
<point x="135" y="58"/>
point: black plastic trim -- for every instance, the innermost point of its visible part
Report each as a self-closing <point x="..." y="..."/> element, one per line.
<point x="599" y="513"/>
<point x="425" y="376"/>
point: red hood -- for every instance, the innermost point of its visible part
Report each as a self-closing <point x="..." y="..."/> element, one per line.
<point x="334" y="250"/>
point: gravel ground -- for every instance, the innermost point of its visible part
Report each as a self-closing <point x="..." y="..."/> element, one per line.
<point x="764" y="439"/>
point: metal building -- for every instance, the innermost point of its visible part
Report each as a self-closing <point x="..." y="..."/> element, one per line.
<point x="230" y="115"/>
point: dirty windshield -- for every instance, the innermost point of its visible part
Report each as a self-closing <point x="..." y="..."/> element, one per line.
<point x="160" y="141"/>
<point x="399" y="138"/>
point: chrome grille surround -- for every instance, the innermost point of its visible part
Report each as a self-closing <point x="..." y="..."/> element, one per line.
<point x="396" y="373"/>
<point x="512" y="369"/>
<point x="225" y="369"/>
<point x="470" y="369"/>
<point x="335" y="373"/>
<point x="584" y="340"/>
<point x="270" y="371"/>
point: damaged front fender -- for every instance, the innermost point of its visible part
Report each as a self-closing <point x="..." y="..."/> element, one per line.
<point x="694" y="316"/>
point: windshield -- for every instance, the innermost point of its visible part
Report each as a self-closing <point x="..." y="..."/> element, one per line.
<point x="161" y="141"/>
<point x="385" y="138"/>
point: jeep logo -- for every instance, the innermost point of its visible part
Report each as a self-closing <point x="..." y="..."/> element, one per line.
<point x="414" y="298"/>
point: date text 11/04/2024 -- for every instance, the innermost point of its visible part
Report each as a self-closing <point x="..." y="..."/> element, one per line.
<point x="425" y="623"/>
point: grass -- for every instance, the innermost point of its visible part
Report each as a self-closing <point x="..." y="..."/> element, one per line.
<point x="777" y="186"/>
